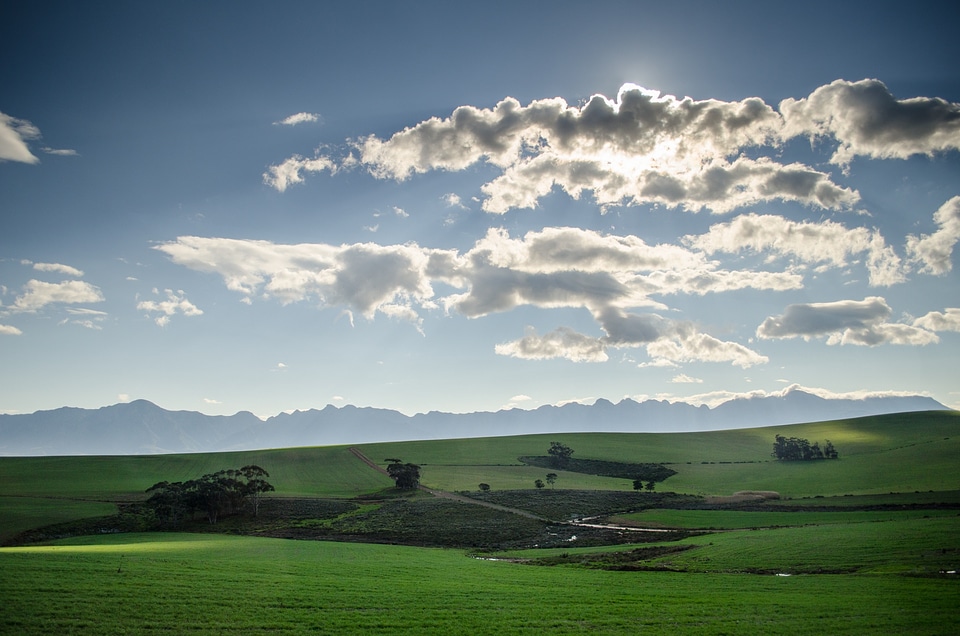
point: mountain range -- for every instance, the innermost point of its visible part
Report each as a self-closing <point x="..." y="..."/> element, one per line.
<point x="141" y="427"/>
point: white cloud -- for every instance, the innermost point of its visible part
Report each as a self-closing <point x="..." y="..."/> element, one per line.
<point x="552" y="268"/>
<point x="844" y="322"/>
<point x="640" y="148"/>
<point x="39" y="294"/>
<point x="57" y="267"/>
<point x="299" y="118"/>
<point x="286" y="174"/>
<point x="9" y="330"/>
<point x="212" y="401"/>
<point x="452" y="200"/>
<point x="176" y="303"/>
<point x="867" y="120"/>
<point x="689" y="345"/>
<point x="667" y="342"/>
<point x="716" y="398"/>
<point x="14" y="134"/>
<point x="560" y="343"/>
<point x="683" y="378"/>
<point x="123" y="397"/>
<point x="400" y="212"/>
<point x="934" y="251"/>
<point x="823" y="242"/>
<point x="61" y="152"/>
<point x="948" y="320"/>
<point x="87" y="318"/>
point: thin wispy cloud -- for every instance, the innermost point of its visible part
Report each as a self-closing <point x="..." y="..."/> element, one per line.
<point x="300" y="118"/>
<point x="58" y="268"/>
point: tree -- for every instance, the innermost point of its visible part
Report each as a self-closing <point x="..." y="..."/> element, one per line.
<point x="484" y="487"/>
<point x="650" y="486"/>
<point x="551" y="479"/>
<point x="829" y="451"/>
<point x="560" y="453"/>
<point x="406" y="476"/>
<point x="167" y="502"/>
<point x="638" y="484"/>
<point x="255" y="485"/>
<point x="538" y="483"/>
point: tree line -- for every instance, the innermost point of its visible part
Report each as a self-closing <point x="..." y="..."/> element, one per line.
<point x="797" y="448"/>
<point x="218" y="494"/>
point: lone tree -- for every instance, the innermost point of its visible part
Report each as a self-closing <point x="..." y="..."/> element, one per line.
<point x="560" y="453"/>
<point x="484" y="487"/>
<point x="551" y="479"/>
<point x="406" y="476"/>
<point x="538" y="483"/>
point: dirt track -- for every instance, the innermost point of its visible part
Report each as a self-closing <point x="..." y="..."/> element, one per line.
<point x="516" y="511"/>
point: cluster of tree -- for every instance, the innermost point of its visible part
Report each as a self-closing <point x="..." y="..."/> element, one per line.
<point x="216" y="494"/>
<point x="638" y="485"/>
<point x="797" y="448"/>
<point x="406" y="476"/>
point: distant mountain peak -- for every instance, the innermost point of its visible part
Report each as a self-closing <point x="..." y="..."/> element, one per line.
<point x="141" y="426"/>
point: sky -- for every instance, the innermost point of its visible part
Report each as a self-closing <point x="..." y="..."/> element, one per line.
<point x="226" y="206"/>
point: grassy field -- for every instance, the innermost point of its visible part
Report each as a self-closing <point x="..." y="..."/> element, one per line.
<point x="864" y="538"/>
<point x="206" y="584"/>
<point x="737" y="519"/>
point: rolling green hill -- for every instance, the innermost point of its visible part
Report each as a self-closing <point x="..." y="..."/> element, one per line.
<point x="889" y="453"/>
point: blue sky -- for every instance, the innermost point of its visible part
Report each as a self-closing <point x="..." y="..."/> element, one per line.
<point x="224" y="206"/>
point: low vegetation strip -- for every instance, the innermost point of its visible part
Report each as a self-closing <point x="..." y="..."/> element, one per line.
<point x="564" y="505"/>
<point x="621" y="470"/>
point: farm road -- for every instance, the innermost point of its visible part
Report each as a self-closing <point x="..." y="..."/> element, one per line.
<point x="523" y="513"/>
<point x="449" y="495"/>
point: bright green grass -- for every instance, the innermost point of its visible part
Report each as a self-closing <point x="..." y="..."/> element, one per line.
<point x="727" y="519"/>
<point x="217" y="584"/>
<point x="23" y="513"/>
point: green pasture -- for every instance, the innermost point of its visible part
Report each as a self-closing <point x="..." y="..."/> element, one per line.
<point x="903" y="544"/>
<point x="23" y="513"/>
<point x="738" y="519"/>
<point x="331" y="471"/>
<point x="890" y="453"/>
<point x="206" y="584"/>
<point x="915" y="546"/>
